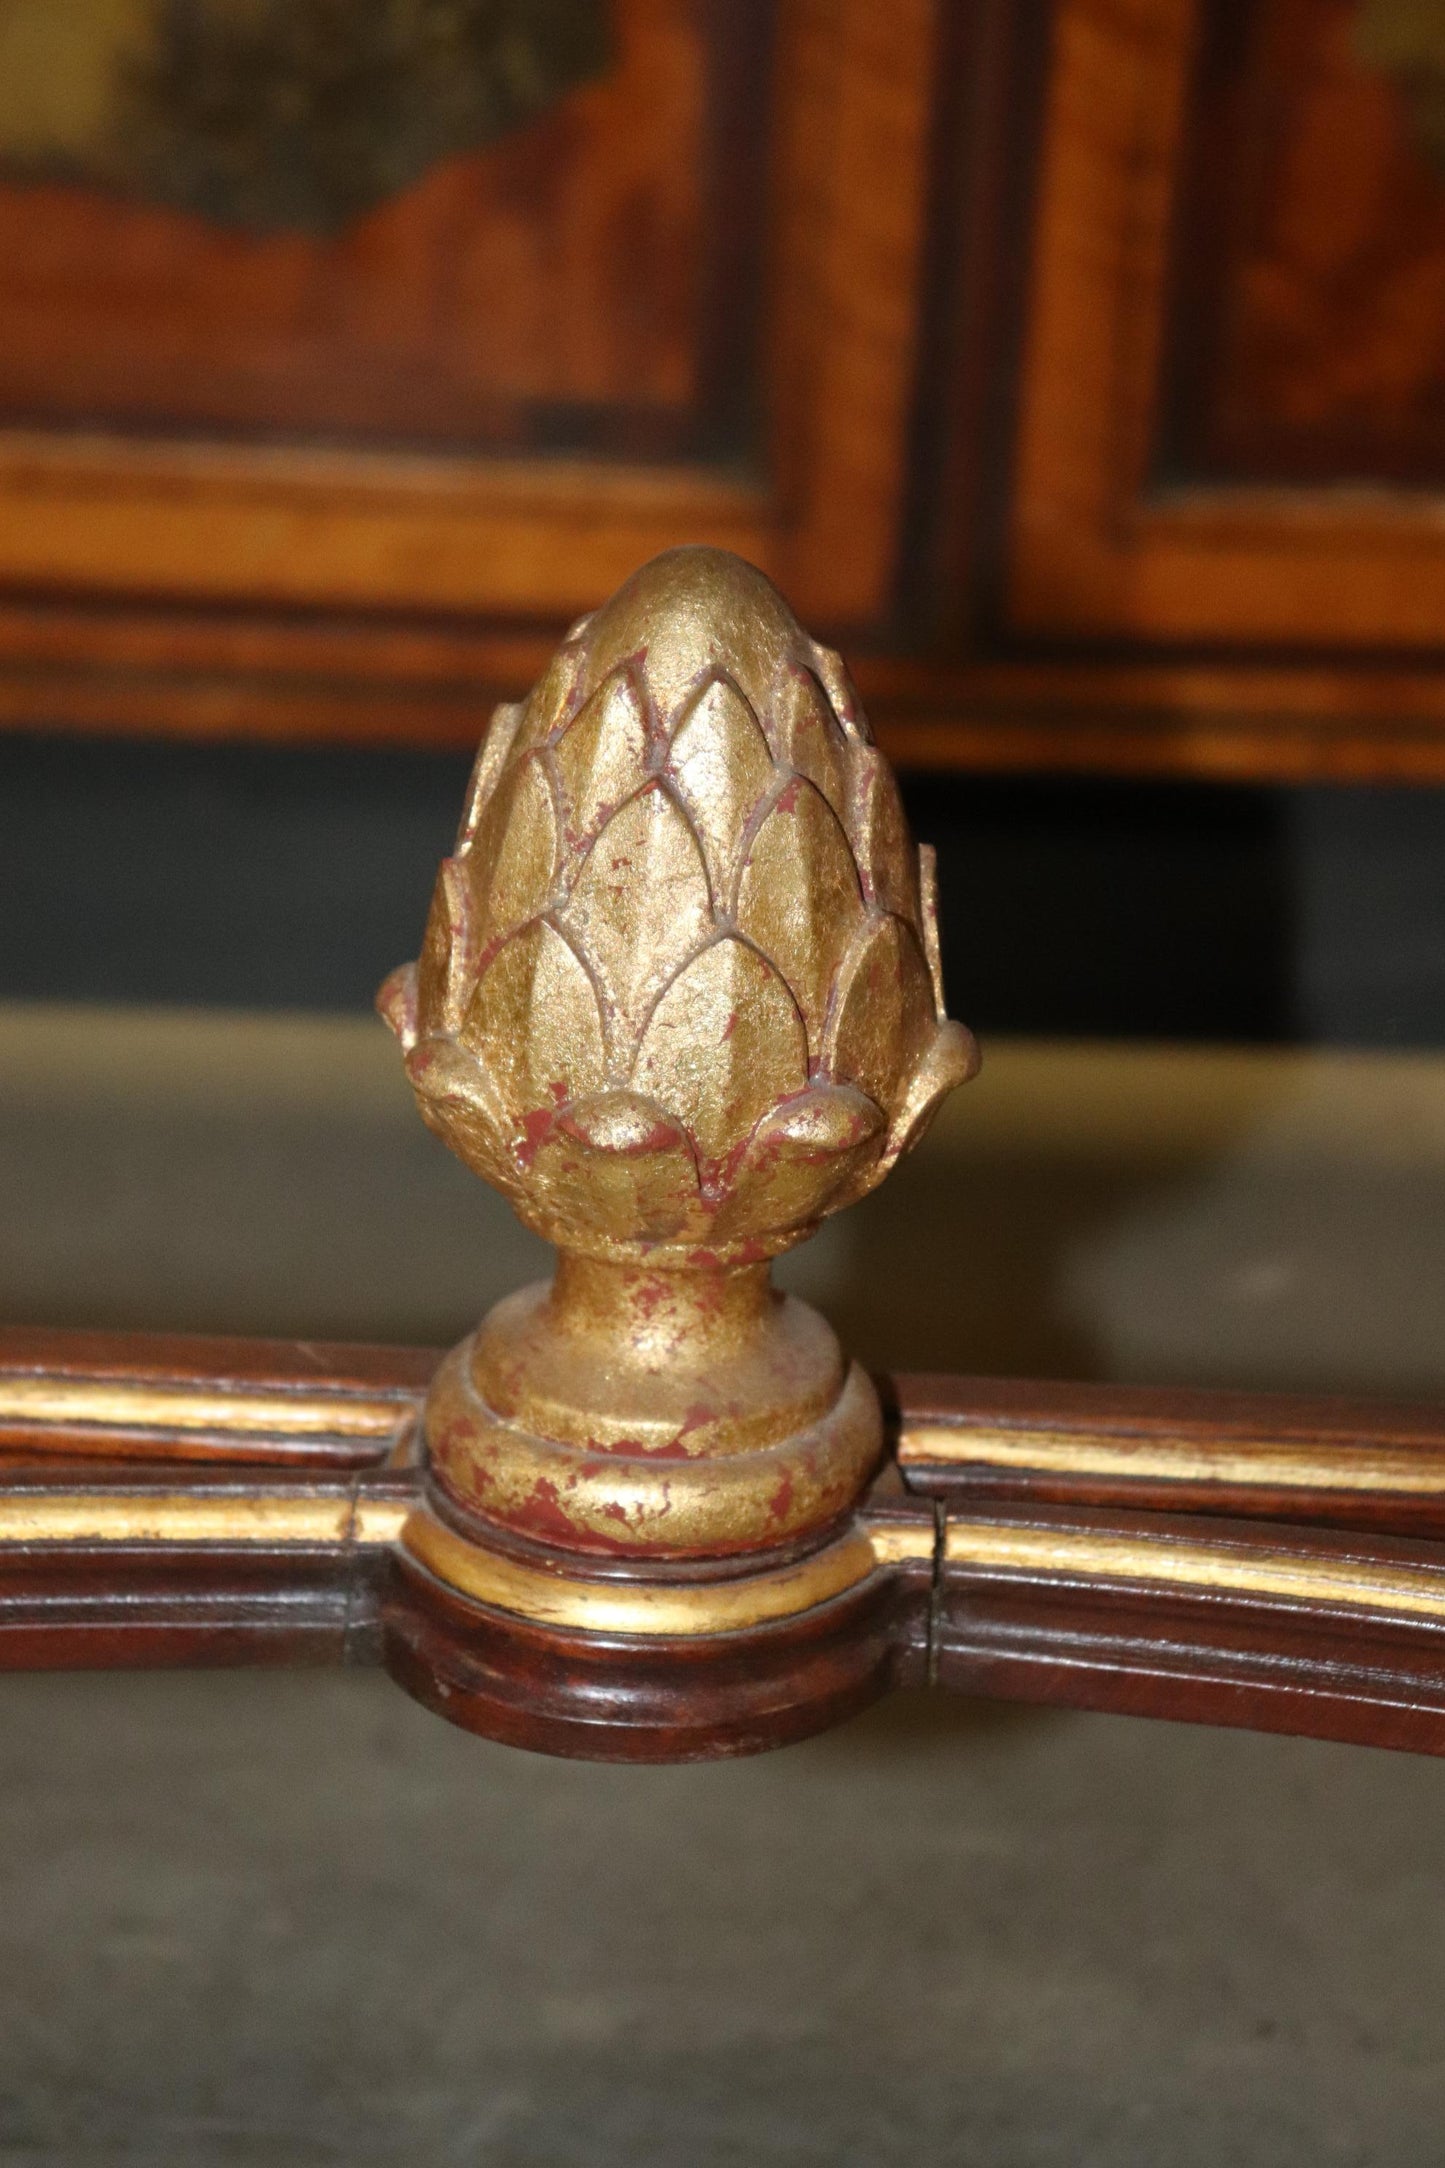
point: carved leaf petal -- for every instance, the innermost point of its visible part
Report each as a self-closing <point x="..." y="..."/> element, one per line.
<point x="842" y="693"/>
<point x="534" y="1022"/>
<point x="797" y="1160"/>
<point x="615" y="1166"/>
<point x="883" y="1020"/>
<point x="553" y="699"/>
<point x="723" y="1045"/>
<point x="812" y="739"/>
<point x="449" y="950"/>
<point x="928" y="912"/>
<point x="886" y="855"/>
<point x="512" y="860"/>
<point x="622" y="1124"/>
<point x="688" y="615"/>
<point x="951" y="1059"/>
<point x="492" y="757"/>
<point x="798" y="897"/>
<point x="396" y="1004"/>
<point x="721" y="764"/>
<point x="639" y="908"/>
<point x="457" y="1101"/>
<point x="602" y="756"/>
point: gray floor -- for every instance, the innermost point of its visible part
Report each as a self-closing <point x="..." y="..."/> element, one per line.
<point x="293" y="1919"/>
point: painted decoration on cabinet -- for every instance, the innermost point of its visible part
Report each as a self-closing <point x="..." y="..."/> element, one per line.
<point x="266" y="114"/>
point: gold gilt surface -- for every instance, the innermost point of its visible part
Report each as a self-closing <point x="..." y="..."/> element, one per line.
<point x="679" y="987"/>
<point x="1248" y="1570"/>
<point x="1259" y="1462"/>
<point x="678" y="1000"/>
<point x="267" y="1519"/>
<point x="119" y="1404"/>
<point x="322" y="1521"/>
<point x="615" y="1498"/>
<point x="643" y="1607"/>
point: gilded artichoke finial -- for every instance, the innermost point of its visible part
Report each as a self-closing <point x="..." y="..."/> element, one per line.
<point x="678" y="999"/>
<point x="680" y="984"/>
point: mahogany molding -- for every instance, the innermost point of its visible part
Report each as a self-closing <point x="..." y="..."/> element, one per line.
<point x="187" y="1397"/>
<point x="1214" y="1557"/>
<point x="1327" y="1461"/>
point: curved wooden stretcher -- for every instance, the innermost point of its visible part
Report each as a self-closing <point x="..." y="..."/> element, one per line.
<point x="1254" y="1560"/>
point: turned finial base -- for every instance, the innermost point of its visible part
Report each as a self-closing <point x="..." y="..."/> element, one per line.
<point x="626" y="1411"/>
<point x="640" y="1512"/>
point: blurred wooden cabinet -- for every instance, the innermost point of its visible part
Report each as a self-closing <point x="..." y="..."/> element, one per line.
<point x="1083" y="365"/>
<point x="1226" y="466"/>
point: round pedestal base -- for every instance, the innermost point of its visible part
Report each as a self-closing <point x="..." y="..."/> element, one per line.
<point x="630" y="1413"/>
<point x="653" y="1697"/>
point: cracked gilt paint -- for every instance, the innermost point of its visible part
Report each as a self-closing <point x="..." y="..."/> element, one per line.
<point x="678" y="999"/>
<point x="679" y="989"/>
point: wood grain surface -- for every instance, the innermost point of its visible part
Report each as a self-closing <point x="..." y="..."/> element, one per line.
<point x="269" y="509"/>
<point x="138" y="1565"/>
<point x="1079" y="367"/>
<point x="1103" y="542"/>
<point x="1308" y="337"/>
<point x="552" y="287"/>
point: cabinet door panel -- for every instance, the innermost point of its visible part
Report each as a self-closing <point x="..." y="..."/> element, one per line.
<point x="1231" y="398"/>
<point x="303" y="480"/>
